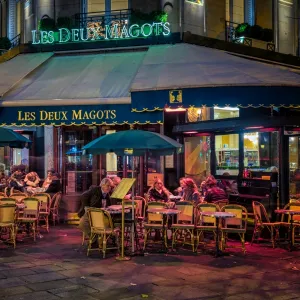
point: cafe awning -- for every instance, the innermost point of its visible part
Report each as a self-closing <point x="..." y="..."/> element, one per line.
<point x="184" y="75"/>
<point x="76" y="89"/>
<point x="14" y="70"/>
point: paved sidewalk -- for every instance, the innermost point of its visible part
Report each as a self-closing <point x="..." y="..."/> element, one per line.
<point x="56" y="267"/>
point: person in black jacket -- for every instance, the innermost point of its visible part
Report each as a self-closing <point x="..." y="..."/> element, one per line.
<point x="94" y="198"/>
<point x="54" y="186"/>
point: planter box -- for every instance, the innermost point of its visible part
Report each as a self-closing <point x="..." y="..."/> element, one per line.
<point x="255" y="43"/>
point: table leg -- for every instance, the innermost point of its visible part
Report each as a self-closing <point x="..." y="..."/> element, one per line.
<point x="291" y="232"/>
<point x="163" y="248"/>
<point x="218" y="251"/>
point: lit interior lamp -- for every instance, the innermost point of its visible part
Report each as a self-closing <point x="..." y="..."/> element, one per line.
<point x="199" y="113"/>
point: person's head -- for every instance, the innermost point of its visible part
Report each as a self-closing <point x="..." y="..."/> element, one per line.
<point x="182" y="182"/>
<point x="190" y="184"/>
<point x="106" y="185"/>
<point x="116" y="180"/>
<point x="211" y="182"/>
<point x="226" y="174"/>
<point x="18" y="171"/>
<point x="158" y="184"/>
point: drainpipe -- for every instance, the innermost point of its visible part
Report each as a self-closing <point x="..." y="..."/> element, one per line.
<point x="276" y="24"/>
<point x="181" y="18"/>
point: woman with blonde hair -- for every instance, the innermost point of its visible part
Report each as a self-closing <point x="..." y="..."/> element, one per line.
<point x="191" y="192"/>
<point x="158" y="192"/>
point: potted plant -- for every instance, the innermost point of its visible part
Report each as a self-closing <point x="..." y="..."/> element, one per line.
<point x="5" y="43"/>
<point x="64" y="22"/>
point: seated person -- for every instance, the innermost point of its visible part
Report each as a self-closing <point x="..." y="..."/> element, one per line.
<point x="158" y="192"/>
<point x="190" y="191"/>
<point x="16" y="181"/>
<point x="180" y="190"/>
<point x="214" y="193"/>
<point x="93" y="198"/>
<point x="48" y="180"/>
<point x="54" y="187"/>
<point x="32" y="181"/>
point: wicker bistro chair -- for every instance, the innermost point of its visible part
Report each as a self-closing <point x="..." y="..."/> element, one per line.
<point x="44" y="204"/>
<point x="7" y="222"/>
<point x="261" y="222"/>
<point x="7" y="201"/>
<point x="30" y="215"/>
<point x="54" y="207"/>
<point x="286" y="219"/>
<point x="16" y="192"/>
<point x="2" y="195"/>
<point x="183" y="230"/>
<point x="154" y="222"/>
<point x="102" y="228"/>
<point x="204" y="223"/>
<point x="237" y="225"/>
<point x="18" y="197"/>
<point x="222" y="203"/>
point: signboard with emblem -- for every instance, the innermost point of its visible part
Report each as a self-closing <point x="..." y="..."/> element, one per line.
<point x="175" y="96"/>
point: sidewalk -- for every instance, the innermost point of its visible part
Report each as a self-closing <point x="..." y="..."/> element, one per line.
<point x="56" y="267"/>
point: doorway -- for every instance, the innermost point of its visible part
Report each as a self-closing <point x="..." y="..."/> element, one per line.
<point x="294" y="166"/>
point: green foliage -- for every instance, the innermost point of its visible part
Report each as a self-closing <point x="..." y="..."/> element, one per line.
<point x="254" y="32"/>
<point x="64" y="22"/>
<point x="5" y="43"/>
<point x="138" y="17"/>
<point x="47" y="24"/>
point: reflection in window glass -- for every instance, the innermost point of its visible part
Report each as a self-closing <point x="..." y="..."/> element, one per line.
<point x="294" y="155"/>
<point x="227" y="154"/>
<point x="226" y="112"/>
<point x="261" y="150"/>
<point x="197" y="157"/>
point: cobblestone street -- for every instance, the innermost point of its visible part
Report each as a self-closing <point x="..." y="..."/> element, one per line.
<point x="56" y="266"/>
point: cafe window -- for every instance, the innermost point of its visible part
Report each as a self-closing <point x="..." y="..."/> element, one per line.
<point x="261" y="150"/>
<point x="197" y="157"/>
<point x="227" y="154"/>
<point x="226" y="112"/>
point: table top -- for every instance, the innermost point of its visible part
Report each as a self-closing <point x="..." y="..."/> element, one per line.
<point x="288" y="211"/>
<point x="218" y="214"/>
<point x="248" y="196"/>
<point x="164" y="211"/>
<point x="117" y="212"/>
<point x="118" y="207"/>
<point x="172" y="197"/>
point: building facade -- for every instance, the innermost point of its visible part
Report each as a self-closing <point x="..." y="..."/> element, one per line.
<point x="210" y="18"/>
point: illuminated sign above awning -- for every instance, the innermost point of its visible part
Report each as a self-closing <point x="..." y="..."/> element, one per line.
<point x="107" y="32"/>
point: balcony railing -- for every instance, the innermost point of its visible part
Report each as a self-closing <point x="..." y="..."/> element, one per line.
<point x="15" y="41"/>
<point x="84" y="20"/>
<point x="230" y="36"/>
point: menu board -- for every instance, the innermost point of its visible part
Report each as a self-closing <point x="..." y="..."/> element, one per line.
<point x="123" y="188"/>
<point x="71" y="182"/>
<point x="151" y="177"/>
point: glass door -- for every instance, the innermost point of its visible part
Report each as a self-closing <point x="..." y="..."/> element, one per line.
<point x="294" y="166"/>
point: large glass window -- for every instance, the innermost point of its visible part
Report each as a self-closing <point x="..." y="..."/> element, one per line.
<point x="261" y="150"/>
<point x="226" y="112"/>
<point x="294" y="160"/>
<point x="227" y="154"/>
<point x="78" y="167"/>
<point x="197" y="157"/>
<point x="196" y="114"/>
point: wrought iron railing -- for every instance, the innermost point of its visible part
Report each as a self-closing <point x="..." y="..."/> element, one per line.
<point x="15" y="41"/>
<point x="230" y="36"/>
<point x="100" y="19"/>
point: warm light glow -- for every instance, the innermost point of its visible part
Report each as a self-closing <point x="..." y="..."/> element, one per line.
<point x="167" y="109"/>
<point x="190" y="132"/>
<point x="257" y="127"/>
<point x="227" y="108"/>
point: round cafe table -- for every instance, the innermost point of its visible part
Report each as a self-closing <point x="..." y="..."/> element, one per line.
<point x="165" y="212"/>
<point x="291" y="213"/>
<point x="218" y="215"/>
